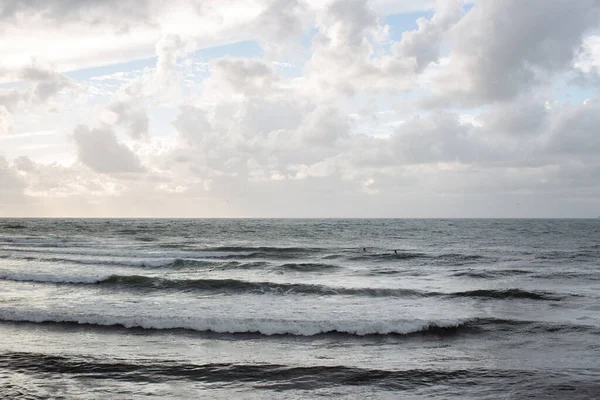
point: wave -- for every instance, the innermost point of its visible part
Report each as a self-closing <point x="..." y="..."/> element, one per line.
<point x="508" y="294"/>
<point x="261" y="375"/>
<point x="487" y="274"/>
<point x="264" y="326"/>
<point x="235" y="286"/>
<point x="13" y="226"/>
<point x="265" y="252"/>
<point x="395" y="271"/>
<point x="441" y="259"/>
<point x="458" y="259"/>
<point x="263" y="249"/>
<point x="308" y="267"/>
<point x="178" y="263"/>
<point x="144" y="263"/>
<point x="274" y="327"/>
<point x="590" y="276"/>
<point x="580" y="255"/>
<point x="187" y="263"/>
<point x="388" y="256"/>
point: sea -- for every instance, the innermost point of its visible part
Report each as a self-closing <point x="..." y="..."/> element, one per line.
<point x="299" y="308"/>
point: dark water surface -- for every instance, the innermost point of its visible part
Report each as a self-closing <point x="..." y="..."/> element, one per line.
<point x="475" y="309"/>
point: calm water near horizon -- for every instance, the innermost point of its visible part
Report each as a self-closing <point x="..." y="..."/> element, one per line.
<point x="299" y="308"/>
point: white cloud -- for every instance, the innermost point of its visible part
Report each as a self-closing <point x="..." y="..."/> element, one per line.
<point x="245" y="77"/>
<point x="319" y="131"/>
<point x="44" y="85"/>
<point x="423" y="44"/>
<point x="343" y="53"/>
<point x="100" y="150"/>
<point x="11" y="184"/>
<point x="588" y="56"/>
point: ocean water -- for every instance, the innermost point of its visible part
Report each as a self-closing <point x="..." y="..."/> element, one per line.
<point x="287" y="309"/>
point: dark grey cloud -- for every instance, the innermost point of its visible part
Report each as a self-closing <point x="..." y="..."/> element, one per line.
<point x="523" y="117"/>
<point x="575" y="130"/>
<point x="502" y="48"/>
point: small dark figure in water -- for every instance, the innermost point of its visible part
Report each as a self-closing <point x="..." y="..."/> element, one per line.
<point x="364" y="249"/>
<point x="395" y="251"/>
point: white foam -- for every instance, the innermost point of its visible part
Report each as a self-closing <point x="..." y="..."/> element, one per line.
<point x="235" y="325"/>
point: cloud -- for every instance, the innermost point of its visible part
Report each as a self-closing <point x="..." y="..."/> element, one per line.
<point x="6" y="119"/>
<point x="343" y="53"/>
<point x="12" y="198"/>
<point x="279" y="25"/>
<point x="522" y="118"/>
<point x="108" y="32"/>
<point x="132" y="115"/>
<point x="128" y="107"/>
<point x="341" y="128"/>
<point x="9" y="179"/>
<point x="575" y="130"/>
<point x="192" y="123"/>
<point x="121" y="13"/>
<point x="246" y="77"/>
<point x="423" y="44"/>
<point x="502" y="48"/>
<point x="325" y="126"/>
<point x="45" y="84"/>
<point x="100" y="150"/>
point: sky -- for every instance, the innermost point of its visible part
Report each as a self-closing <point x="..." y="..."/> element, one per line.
<point x="300" y="108"/>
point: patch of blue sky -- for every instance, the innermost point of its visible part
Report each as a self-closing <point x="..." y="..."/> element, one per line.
<point x="467" y="7"/>
<point x="245" y="49"/>
<point x="402" y="22"/>
<point x="88" y="73"/>
<point x="307" y="37"/>
<point x="568" y="91"/>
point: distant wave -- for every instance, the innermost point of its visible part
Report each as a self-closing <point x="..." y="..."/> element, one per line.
<point x="388" y="256"/>
<point x="260" y="375"/>
<point x="590" y="276"/>
<point x="508" y="294"/>
<point x="591" y="254"/>
<point x="307" y="267"/>
<point x="436" y="259"/>
<point x="235" y="286"/>
<point x="458" y="259"/>
<point x="487" y="274"/>
<point x="264" y="252"/>
<point x="13" y="226"/>
<point x="262" y="249"/>
<point x="72" y="252"/>
<point x="270" y="327"/>
<point x="178" y="263"/>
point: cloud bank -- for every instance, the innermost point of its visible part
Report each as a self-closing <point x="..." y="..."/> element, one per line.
<point x="291" y="108"/>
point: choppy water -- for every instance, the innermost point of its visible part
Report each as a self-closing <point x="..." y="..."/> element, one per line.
<point x="481" y="309"/>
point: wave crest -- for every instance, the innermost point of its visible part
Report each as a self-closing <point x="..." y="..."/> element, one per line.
<point x="235" y="286"/>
